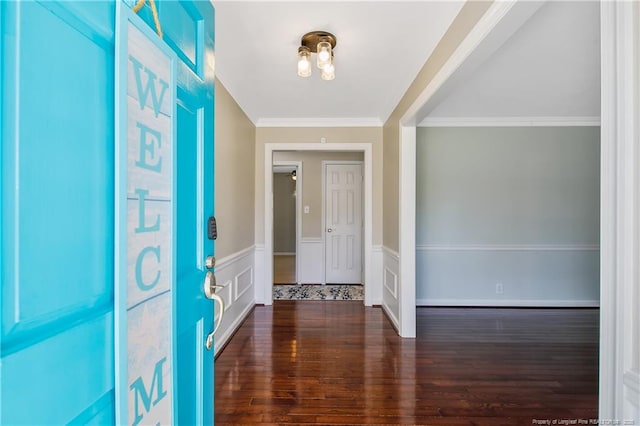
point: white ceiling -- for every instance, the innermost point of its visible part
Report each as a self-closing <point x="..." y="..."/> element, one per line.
<point x="542" y="63"/>
<point x="381" y="47"/>
<point x="548" y="71"/>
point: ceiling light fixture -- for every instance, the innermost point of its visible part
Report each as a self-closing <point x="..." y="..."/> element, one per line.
<point x="322" y="44"/>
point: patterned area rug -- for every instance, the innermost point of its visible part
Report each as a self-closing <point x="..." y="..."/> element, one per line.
<point x="318" y="292"/>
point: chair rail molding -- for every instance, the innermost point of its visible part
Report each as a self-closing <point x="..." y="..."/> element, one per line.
<point x="507" y="247"/>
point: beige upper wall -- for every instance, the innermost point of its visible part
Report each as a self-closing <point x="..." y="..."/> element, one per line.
<point x="390" y="189"/>
<point x="235" y="182"/>
<point x="467" y="18"/>
<point x="312" y="184"/>
<point x="372" y="135"/>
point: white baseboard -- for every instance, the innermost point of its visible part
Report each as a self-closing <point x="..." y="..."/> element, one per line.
<point x="507" y="247"/>
<point x="392" y="317"/>
<point x="510" y="303"/>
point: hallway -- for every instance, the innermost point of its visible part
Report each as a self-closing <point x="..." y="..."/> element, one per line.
<point x="342" y="363"/>
<point x="284" y="269"/>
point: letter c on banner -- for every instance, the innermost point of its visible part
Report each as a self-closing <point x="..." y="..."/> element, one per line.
<point x="141" y="255"/>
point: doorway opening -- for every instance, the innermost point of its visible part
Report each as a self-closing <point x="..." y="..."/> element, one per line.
<point x="287" y="221"/>
<point x="317" y="225"/>
<point x="352" y="203"/>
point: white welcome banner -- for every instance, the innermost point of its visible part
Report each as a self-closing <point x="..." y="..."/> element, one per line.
<point x="145" y="139"/>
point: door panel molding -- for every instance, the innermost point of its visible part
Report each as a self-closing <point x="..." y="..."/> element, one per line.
<point x="56" y="217"/>
<point x="336" y="241"/>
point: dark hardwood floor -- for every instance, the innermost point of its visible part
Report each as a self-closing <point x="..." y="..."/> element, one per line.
<point x="339" y="362"/>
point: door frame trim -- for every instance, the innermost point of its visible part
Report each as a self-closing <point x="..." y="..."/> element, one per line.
<point x="298" y="166"/>
<point x="367" y="149"/>
<point x="325" y="163"/>
<point x="619" y="207"/>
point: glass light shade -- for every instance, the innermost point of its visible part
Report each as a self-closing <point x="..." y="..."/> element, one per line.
<point x="328" y="72"/>
<point x="304" y="62"/>
<point x="324" y="54"/>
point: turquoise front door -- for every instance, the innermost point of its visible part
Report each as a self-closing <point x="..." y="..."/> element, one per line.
<point x="57" y="213"/>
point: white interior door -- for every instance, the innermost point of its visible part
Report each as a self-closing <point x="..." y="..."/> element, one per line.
<point x="343" y="223"/>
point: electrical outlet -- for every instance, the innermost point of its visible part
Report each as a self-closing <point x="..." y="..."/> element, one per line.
<point x="306" y="209"/>
<point x="499" y="288"/>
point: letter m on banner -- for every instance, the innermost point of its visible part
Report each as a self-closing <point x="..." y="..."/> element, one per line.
<point x="147" y="397"/>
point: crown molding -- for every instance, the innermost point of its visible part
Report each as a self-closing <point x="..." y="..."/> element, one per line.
<point x="510" y="121"/>
<point x="320" y="122"/>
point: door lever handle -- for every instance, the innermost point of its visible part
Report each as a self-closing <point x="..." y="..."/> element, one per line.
<point x="210" y="287"/>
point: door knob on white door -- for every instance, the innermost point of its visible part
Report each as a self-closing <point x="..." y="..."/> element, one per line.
<point x="209" y="291"/>
<point x="329" y="230"/>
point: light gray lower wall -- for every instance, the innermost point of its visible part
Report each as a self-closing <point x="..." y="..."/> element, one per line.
<point x="284" y="213"/>
<point x="508" y="209"/>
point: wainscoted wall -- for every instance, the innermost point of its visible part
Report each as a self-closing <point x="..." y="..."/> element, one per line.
<point x="391" y="285"/>
<point x="459" y="275"/>
<point x="374" y="282"/>
<point x="508" y="216"/>
<point x="311" y="261"/>
<point x="237" y="274"/>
